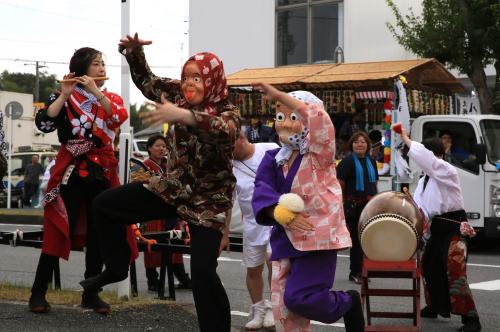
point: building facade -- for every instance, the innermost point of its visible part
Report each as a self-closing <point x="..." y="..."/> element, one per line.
<point x="24" y="131"/>
<point x="268" y="33"/>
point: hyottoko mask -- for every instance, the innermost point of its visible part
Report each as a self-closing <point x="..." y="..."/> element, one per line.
<point x="289" y="128"/>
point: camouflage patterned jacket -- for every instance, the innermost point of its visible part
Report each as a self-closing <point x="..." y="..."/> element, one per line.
<point x="199" y="179"/>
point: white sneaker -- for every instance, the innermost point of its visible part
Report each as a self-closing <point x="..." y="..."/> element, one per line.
<point x="268" y="317"/>
<point x="257" y="313"/>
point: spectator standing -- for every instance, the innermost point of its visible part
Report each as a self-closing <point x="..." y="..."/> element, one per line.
<point x="258" y="132"/>
<point x="32" y="174"/>
<point x="247" y="158"/>
<point x="357" y="174"/>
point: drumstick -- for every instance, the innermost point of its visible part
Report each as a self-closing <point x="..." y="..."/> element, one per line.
<point x="71" y="80"/>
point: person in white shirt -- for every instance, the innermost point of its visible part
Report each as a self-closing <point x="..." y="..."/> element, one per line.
<point x="45" y="181"/>
<point x="439" y="196"/>
<point x="247" y="158"/>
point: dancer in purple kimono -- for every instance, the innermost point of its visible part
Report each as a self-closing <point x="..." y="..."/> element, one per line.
<point x="304" y="244"/>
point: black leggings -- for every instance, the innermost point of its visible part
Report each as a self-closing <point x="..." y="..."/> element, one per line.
<point x="76" y="195"/>
<point x="353" y="212"/>
<point x="125" y="205"/>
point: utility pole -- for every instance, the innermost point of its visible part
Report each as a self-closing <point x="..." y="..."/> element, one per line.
<point x="37" y="82"/>
<point x="125" y="136"/>
<point x="36" y="90"/>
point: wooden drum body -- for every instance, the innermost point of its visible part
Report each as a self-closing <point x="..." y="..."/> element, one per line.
<point x="390" y="227"/>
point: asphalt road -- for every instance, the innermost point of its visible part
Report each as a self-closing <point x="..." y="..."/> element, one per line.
<point x="17" y="266"/>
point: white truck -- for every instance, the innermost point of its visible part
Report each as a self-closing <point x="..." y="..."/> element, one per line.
<point x="476" y="139"/>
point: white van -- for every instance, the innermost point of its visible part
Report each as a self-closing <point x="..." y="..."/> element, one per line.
<point x="139" y="148"/>
<point x="19" y="160"/>
<point x="22" y="158"/>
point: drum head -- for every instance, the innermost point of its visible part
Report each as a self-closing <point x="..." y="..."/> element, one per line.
<point x="389" y="238"/>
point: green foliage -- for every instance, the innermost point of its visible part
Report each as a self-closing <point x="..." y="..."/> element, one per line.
<point x="135" y="121"/>
<point x="25" y="83"/>
<point x="462" y="34"/>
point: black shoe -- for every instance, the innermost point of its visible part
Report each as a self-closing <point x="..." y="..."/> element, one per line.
<point x="355" y="277"/>
<point x="91" y="300"/>
<point x="427" y="312"/>
<point x="354" y="319"/>
<point x="471" y="324"/>
<point x="92" y="284"/>
<point x="153" y="284"/>
<point x="184" y="285"/>
<point x="38" y="304"/>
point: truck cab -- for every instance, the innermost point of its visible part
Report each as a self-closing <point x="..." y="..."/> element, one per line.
<point x="475" y="153"/>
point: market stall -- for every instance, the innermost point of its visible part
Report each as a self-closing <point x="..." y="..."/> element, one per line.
<point x="367" y="88"/>
<point x="352" y="87"/>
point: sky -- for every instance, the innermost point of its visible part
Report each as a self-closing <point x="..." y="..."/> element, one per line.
<point x="51" y="30"/>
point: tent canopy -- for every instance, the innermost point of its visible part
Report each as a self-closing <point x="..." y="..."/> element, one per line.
<point x="420" y="74"/>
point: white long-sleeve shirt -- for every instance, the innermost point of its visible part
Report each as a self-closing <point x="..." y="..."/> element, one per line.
<point x="442" y="193"/>
<point x="253" y="233"/>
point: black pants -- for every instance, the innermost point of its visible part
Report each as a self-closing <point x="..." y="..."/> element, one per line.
<point x="352" y="214"/>
<point x="29" y="190"/>
<point x="76" y="195"/>
<point x="115" y="208"/>
<point x="435" y="262"/>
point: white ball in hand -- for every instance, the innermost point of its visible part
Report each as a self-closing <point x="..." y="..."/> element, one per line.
<point x="292" y="201"/>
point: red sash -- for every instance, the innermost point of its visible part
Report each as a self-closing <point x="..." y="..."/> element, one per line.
<point x="56" y="237"/>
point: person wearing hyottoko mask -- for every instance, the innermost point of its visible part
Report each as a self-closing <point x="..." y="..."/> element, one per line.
<point x="297" y="192"/>
<point x="197" y="184"/>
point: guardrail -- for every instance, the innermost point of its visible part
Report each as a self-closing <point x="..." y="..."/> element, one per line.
<point x="168" y="242"/>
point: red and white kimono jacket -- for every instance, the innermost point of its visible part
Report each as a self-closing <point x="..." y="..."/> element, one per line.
<point x="83" y="128"/>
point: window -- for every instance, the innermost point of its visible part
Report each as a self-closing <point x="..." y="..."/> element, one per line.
<point x="491" y="135"/>
<point x="461" y="138"/>
<point x="325" y="31"/>
<point x="307" y="31"/>
<point x="290" y="2"/>
<point x="292" y="36"/>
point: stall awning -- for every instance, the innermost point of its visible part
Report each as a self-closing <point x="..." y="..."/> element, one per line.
<point x="420" y="73"/>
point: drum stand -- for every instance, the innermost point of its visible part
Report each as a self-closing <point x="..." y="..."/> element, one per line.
<point x="402" y="270"/>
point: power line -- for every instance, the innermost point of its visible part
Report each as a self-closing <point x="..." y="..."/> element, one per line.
<point x="76" y="17"/>
<point x="33" y="41"/>
<point x="56" y="14"/>
<point x="67" y="63"/>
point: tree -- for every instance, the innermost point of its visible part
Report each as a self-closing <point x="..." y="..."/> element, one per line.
<point x="25" y="83"/>
<point x="135" y="120"/>
<point x="462" y="34"/>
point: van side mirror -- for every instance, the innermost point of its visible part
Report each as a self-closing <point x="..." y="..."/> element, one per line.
<point x="479" y="150"/>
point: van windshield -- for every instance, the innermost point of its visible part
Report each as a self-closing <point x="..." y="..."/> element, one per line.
<point x="142" y="146"/>
<point x="491" y="134"/>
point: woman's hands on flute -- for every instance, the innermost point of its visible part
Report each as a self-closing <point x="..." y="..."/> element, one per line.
<point x="68" y="86"/>
<point x="89" y="85"/>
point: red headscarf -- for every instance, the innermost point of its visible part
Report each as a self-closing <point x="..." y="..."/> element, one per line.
<point x="214" y="82"/>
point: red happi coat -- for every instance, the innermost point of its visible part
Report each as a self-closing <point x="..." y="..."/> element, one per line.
<point x="75" y="135"/>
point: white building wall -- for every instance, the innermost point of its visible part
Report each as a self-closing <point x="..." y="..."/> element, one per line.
<point x="24" y="131"/>
<point x="366" y="36"/>
<point x="240" y="32"/>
